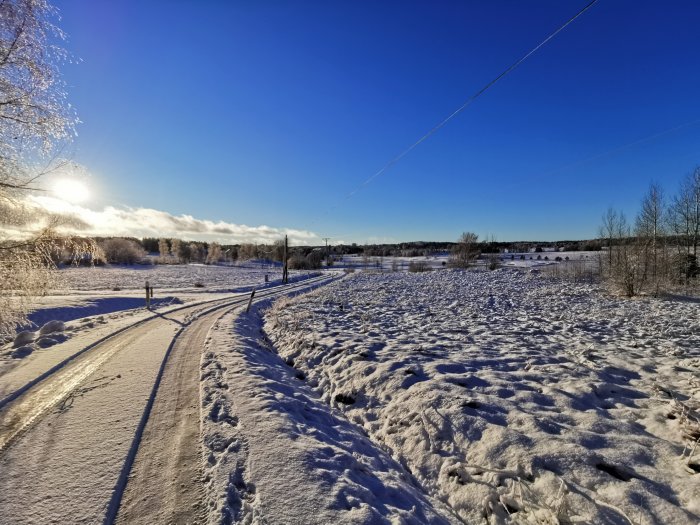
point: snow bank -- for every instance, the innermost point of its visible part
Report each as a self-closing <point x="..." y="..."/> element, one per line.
<point x="510" y="396"/>
<point x="277" y="454"/>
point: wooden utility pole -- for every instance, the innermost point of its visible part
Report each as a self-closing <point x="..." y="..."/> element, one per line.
<point x="284" y="268"/>
<point x="327" y="254"/>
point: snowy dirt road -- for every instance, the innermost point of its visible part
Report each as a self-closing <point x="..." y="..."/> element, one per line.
<point x="66" y="440"/>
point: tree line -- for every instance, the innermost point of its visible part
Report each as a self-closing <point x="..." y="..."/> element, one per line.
<point x="658" y="250"/>
<point x="129" y="250"/>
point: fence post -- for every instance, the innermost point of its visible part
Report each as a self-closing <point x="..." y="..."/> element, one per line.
<point x="250" y="301"/>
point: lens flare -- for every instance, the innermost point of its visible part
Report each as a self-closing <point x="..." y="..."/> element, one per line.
<point x="71" y="190"/>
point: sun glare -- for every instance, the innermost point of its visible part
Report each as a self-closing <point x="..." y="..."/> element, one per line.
<point x="71" y="190"/>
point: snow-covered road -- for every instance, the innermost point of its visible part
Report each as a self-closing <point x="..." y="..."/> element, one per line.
<point x="66" y="440"/>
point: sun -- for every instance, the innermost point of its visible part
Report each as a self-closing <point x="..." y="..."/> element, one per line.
<point x="71" y="190"/>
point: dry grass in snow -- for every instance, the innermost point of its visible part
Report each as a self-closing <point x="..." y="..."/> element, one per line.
<point x="512" y="398"/>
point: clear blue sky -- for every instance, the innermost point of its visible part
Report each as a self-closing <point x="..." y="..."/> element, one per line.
<point x="272" y="112"/>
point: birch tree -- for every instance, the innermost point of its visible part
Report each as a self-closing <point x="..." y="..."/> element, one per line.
<point x="35" y="119"/>
<point x="650" y="233"/>
<point x="163" y="248"/>
<point x="175" y="249"/>
<point x="214" y="253"/>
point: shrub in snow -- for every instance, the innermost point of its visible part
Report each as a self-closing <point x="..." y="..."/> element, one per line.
<point x="52" y="326"/>
<point x="494" y="262"/>
<point x="24" y="338"/>
<point x="418" y="267"/>
<point x="122" y="251"/>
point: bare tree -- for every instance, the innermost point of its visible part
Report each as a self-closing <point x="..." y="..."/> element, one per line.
<point x="651" y="236"/>
<point x="247" y="252"/>
<point x="35" y="121"/>
<point x="184" y="253"/>
<point x="625" y="270"/>
<point x="466" y="251"/>
<point x="608" y="231"/>
<point x="278" y="250"/>
<point x="683" y="219"/>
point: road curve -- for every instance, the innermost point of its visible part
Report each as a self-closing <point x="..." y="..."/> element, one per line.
<point x="64" y="441"/>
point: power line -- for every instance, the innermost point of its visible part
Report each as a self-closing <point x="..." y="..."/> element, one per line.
<point x="470" y="100"/>
<point x="628" y="145"/>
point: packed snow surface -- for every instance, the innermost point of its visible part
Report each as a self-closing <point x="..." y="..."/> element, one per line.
<point x="511" y="397"/>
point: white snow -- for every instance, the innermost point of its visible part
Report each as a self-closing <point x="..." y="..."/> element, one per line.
<point x="277" y="454"/>
<point x="165" y="278"/>
<point x="509" y="395"/>
<point x="52" y="327"/>
<point x="442" y="397"/>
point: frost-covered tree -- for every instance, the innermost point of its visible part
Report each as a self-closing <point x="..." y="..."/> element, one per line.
<point x="34" y="114"/>
<point x="196" y="252"/>
<point x="214" y="253"/>
<point x="247" y="252"/>
<point x="122" y="251"/>
<point x="163" y="248"/>
<point x="175" y="245"/>
<point x="35" y="120"/>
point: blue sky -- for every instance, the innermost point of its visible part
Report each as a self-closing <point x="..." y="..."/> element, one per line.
<point x="273" y="112"/>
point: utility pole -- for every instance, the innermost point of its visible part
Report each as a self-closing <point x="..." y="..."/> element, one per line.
<point x="284" y="268"/>
<point x="327" y="253"/>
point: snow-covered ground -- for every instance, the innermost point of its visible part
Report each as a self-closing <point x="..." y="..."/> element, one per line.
<point x="442" y="397"/>
<point x="440" y="261"/>
<point x="506" y="395"/>
<point x="276" y="453"/>
<point x="168" y="277"/>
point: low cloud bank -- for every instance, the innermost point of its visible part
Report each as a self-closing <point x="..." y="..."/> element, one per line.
<point x="146" y="222"/>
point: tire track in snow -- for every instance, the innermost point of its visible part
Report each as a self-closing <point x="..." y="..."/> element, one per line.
<point x="20" y="410"/>
<point x="123" y="480"/>
<point x="21" y="390"/>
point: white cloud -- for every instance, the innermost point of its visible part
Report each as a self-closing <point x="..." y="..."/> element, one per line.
<point x="147" y="222"/>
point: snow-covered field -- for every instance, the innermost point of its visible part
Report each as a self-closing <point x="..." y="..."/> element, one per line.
<point x="508" y="396"/>
<point x="167" y="277"/>
<point x="440" y="261"/>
